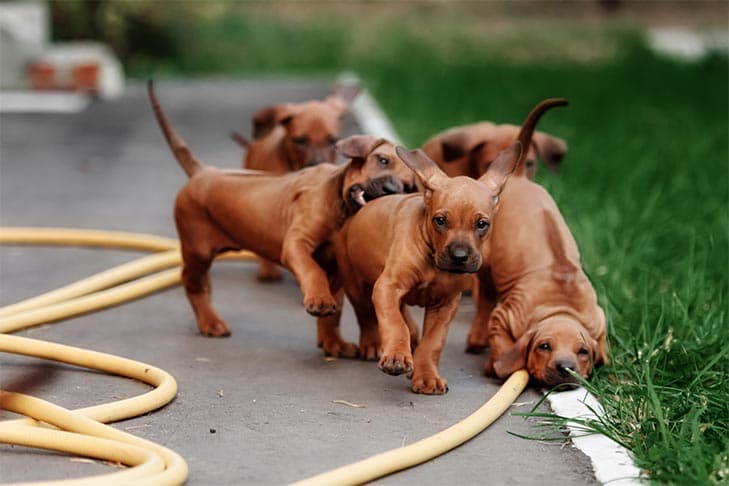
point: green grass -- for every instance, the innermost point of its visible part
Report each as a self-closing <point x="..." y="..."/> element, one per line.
<point x="644" y="186"/>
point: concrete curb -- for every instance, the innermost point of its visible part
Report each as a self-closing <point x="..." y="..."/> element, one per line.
<point x="611" y="462"/>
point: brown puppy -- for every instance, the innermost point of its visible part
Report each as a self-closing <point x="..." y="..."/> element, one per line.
<point x="418" y="249"/>
<point x="287" y="219"/>
<point x="468" y="150"/>
<point x="536" y="308"/>
<point x="291" y="136"/>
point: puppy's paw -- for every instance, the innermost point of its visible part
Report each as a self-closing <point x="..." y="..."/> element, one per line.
<point x="429" y="384"/>
<point x="320" y="305"/>
<point x="488" y="368"/>
<point x="215" y="328"/>
<point x="369" y="349"/>
<point x="340" y="348"/>
<point x="476" y="344"/>
<point x="396" y="363"/>
<point x="475" y="348"/>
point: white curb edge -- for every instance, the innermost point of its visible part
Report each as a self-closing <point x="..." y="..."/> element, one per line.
<point x="611" y="462"/>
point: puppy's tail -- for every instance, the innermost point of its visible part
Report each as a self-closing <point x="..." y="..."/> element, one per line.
<point x="182" y="153"/>
<point x="240" y="139"/>
<point x="530" y="124"/>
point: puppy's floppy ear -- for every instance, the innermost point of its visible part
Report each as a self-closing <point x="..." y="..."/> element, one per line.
<point x="501" y="168"/>
<point x="357" y="146"/>
<point x="601" y="350"/>
<point x="265" y="119"/>
<point x="550" y="149"/>
<point x="423" y="166"/>
<point x="515" y="358"/>
<point x="601" y="355"/>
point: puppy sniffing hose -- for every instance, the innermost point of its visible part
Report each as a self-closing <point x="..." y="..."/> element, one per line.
<point x="405" y="457"/>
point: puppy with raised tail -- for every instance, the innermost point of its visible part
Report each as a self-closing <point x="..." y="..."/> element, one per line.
<point x="536" y="309"/>
<point x="288" y="219"/>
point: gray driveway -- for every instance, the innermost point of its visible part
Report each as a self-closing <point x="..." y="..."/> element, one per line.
<point x="257" y="407"/>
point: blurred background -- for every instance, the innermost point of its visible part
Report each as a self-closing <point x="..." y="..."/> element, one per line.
<point x="232" y="38"/>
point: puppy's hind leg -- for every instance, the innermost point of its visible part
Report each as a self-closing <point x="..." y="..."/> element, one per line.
<point x="196" y="280"/>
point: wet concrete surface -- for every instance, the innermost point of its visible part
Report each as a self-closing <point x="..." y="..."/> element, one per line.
<point x="262" y="406"/>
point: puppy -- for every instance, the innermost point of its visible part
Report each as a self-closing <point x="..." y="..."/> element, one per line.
<point x="291" y="136"/>
<point x="468" y="150"/>
<point x="536" y="308"/>
<point x="288" y="137"/>
<point x="287" y="219"/>
<point x="418" y="249"/>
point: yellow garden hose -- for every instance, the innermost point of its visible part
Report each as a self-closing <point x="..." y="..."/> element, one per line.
<point x="419" y="452"/>
<point x="103" y="280"/>
<point x="83" y="431"/>
<point x="85" y="237"/>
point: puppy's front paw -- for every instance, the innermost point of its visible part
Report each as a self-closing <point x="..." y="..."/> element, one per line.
<point x="476" y="344"/>
<point x="216" y="328"/>
<point x="340" y="348"/>
<point x="369" y="346"/>
<point x="320" y="305"/>
<point x="396" y="363"/>
<point x="488" y="368"/>
<point x="429" y="384"/>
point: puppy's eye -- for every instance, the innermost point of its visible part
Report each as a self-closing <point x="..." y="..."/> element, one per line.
<point x="439" y="221"/>
<point x="382" y="160"/>
<point x="529" y="164"/>
<point x="545" y="347"/>
<point x="583" y="352"/>
<point x="301" y="141"/>
<point x="482" y="225"/>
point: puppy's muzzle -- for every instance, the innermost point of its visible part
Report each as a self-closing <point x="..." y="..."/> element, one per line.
<point x="564" y="367"/>
<point x="459" y="258"/>
<point x="560" y="372"/>
<point x="382" y="186"/>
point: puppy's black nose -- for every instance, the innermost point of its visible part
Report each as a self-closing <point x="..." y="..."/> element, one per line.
<point x="459" y="252"/>
<point x="564" y="366"/>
